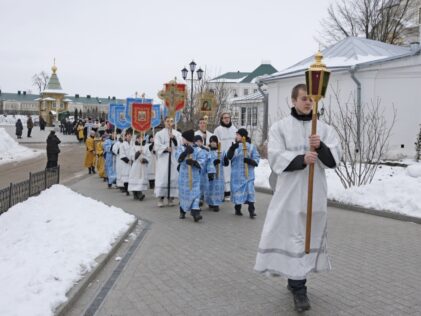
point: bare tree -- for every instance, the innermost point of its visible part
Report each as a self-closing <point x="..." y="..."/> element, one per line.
<point x="358" y="166"/>
<point x="40" y="80"/>
<point x="191" y="114"/>
<point x="382" y="20"/>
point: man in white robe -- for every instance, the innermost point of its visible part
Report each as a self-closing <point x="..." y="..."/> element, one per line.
<point x="138" y="176"/>
<point x="281" y="248"/>
<point x="125" y="149"/>
<point x="226" y="132"/>
<point x="202" y="131"/>
<point x="118" y="161"/>
<point x="166" y="177"/>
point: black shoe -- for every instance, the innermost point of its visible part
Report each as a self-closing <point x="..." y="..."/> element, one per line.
<point x="135" y="195"/>
<point x="182" y="215"/>
<point x="90" y="171"/>
<point x="251" y="210"/>
<point x="109" y="185"/>
<point x="301" y="302"/>
<point x="238" y="210"/>
<point x="196" y="215"/>
<point x="141" y="196"/>
<point x="93" y="170"/>
<point x="216" y="208"/>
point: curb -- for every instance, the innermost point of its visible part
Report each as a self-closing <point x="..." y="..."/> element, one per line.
<point x="76" y="291"/>
<point x="360" y="209"/>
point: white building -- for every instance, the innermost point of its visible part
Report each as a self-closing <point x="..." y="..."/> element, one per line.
<point x="371" y="70"/>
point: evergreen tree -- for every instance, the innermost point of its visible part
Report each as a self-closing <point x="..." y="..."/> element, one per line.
<point x="418" y="146"/>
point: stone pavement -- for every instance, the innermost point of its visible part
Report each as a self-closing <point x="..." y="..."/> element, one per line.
<point x="206" y="268"/>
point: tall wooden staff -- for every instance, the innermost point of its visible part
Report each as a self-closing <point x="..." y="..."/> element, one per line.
<point x="169" y="164"/>
<point x="317" y="78"/>
<point x="219" y="158"/>
<point x="246" y="167"/>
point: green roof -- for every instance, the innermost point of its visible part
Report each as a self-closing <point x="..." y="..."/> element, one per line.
<point x="263" y="69"/>
<point x="54" y="83"/>
<point x="4" y="96"/>
<point x="18" y="97"/>
<point x="232" y="75"/>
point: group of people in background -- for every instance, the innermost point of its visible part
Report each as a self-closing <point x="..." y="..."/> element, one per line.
<point x="195" y="167"/>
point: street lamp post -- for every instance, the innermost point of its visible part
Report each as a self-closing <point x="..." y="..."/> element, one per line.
<point x="184" y="73"/>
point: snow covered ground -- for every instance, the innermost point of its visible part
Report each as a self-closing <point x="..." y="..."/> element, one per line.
<point x="11" y="151"/>
<point x="10" y="119"/>
<point x="48" y="243"/>
<point x="394" y="189"/>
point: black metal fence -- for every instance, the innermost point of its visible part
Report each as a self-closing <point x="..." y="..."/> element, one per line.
<point x="18" y="192"/>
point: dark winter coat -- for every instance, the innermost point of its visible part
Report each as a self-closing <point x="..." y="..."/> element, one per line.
<point x="29" y="123"/>
<point x="19" y="128"/>
<point x="42" y="123"/>
<point x="52" y="145"/>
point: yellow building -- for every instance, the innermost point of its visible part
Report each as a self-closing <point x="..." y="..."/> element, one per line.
<point x="52" y="100"/>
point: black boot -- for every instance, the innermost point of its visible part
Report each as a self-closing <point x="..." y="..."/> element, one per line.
<point x="141" y="196"/>
<point x="105" y="179"/>
<point x="299" y="291"/>
<point x="238" y="210"/>
<point x="109" y="185"/>
<point x="216" y="208"/>
<point x="90" y="170"/>
<point x="135" y="195"/>
<point x="252" y="210"/>
<point x="126" y="188"/>
<point x="196" y="215"/>
<point x="93" y="170"/>
<point x="182" y="214"/>
<point x="151" y="184"/>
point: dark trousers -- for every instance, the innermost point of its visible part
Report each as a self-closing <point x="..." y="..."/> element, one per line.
<point x="297" y="286"/>
<point x="29" y="132"/>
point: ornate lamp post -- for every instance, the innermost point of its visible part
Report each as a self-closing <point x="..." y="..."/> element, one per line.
<point x="184" y="73"/>
<point x="317" y="78"/>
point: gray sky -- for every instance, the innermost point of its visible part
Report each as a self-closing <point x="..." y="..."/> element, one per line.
<point x="105" y="47"/>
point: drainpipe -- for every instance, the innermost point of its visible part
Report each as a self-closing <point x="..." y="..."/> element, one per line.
<point x="265" y="112"/>
<point x="358" y="83"/>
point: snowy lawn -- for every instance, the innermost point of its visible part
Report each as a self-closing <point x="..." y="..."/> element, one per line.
<point x="11" y="119"/>
<point x="48" y="243"/>
<point x="11" y="151"/>
<point x="394" y="189"/>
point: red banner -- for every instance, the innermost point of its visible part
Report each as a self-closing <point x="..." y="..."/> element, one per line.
<point x="141" y="116"/>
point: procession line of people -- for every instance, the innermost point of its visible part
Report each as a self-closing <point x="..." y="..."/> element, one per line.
<point x="191" y="166"/>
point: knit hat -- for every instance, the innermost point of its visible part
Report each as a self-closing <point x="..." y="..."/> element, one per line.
<point x="188" y="135"/>
<point x="213" y="139"/>
<point x="197" y="138"/>
<point x="242" y="132"/>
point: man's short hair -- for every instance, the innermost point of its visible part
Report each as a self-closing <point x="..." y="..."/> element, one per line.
<point x="296" y="89"/>
<point x="202" y="119"/>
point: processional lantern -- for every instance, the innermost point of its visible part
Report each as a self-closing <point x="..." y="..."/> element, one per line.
<point x="317" y="79"/>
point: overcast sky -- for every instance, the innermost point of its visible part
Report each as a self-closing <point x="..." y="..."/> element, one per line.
<point x="114" y="48"/>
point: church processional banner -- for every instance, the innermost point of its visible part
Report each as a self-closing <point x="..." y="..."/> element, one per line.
<point x="156" y="115"/>
<point x="177" y="115"/>
<point x="120" y="118"/>
<point x="130" y="101"/>
<point x="141" y="116"/>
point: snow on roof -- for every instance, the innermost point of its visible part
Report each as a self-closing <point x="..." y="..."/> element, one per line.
<point x="349" y="52"/>
<point x="253" y="97"/>
<point x="228" y="80"/>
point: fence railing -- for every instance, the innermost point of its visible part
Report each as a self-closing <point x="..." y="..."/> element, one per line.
<point x="21" y="191"/>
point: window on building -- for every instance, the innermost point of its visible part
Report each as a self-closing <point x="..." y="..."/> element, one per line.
<point x="246" y="91"/>
<point x="255" y="90"/>
<point x="248" y="116"/>
<point x="254" y="116"/>
<point x="243" y="116"/>
<point x="234" y="93"/>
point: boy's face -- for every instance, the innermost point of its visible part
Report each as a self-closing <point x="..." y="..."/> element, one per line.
<point x="238" y="137"/>
<point x="214" y="145"/>
<point x="199" y="143"/>
<point x="303" y="104"/>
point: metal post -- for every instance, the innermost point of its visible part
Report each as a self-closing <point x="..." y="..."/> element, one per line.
<point x="30" y="184"/>
<point x="10" y="194"/>
<point x="191" y="97"/>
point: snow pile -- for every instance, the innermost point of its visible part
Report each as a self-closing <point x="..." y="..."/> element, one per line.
<point x="393" y="189"/>
<point x="48" y="243"/>
<point x="11" y="119"/>
<point x="414" y="171"/>
<point x="11" y="151"/>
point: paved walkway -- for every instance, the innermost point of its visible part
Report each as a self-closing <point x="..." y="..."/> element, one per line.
<point x="37" y="136"/>
<point x="185" y="268"/>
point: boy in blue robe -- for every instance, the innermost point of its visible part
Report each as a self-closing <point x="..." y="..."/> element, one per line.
<point x="242" y="184"/>
<point x="214" y="195"/>
<point x="207" y="168"/>
<point x="194" y="158"/>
